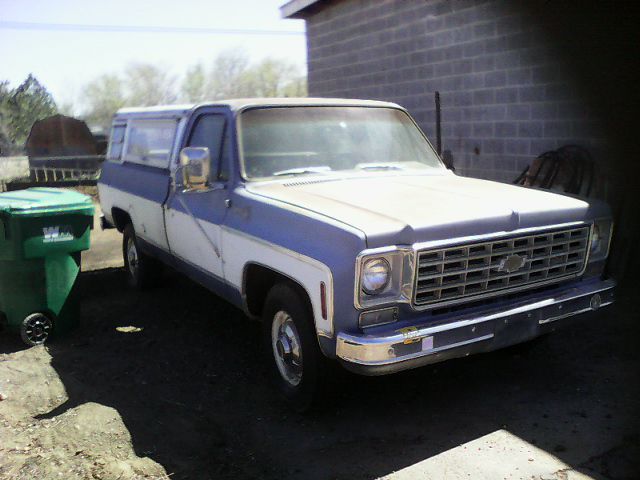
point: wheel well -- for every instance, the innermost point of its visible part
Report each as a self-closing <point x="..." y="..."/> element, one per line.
<point x="258" y="280"/>
<point x="120" y="218"/>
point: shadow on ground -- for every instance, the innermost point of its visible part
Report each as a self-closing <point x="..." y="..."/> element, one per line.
<point x="191" y="389"/>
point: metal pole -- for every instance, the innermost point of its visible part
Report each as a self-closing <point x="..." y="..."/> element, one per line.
<point x="438" y="125"/>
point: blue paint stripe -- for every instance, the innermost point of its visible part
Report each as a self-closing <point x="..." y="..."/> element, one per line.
<point x="146" y="182"/>
<point x="312" y="236"/>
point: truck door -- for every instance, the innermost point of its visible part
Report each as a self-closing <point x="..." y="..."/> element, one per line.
<point x="194" y="218"/>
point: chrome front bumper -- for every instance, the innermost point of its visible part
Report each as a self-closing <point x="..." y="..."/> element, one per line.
<point x="466" y="333"/>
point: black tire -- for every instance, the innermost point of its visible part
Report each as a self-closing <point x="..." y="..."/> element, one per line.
<point x="312" y="385"/>
<point x="36" y="329"/>
<point x="142" y="270"/>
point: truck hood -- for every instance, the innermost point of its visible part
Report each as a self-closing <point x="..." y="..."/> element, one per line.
<point x="394" y="210"/>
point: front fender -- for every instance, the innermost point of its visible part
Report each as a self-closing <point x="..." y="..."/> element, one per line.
<point x="241" y="250"/>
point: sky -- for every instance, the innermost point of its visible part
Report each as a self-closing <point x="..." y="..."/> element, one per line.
<point x="65" y="59"/>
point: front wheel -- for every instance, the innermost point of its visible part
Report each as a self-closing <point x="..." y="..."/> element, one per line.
<point x="142" y="270"/>
<point x="297" y="363"/>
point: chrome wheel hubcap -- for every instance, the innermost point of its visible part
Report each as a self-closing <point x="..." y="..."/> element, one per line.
<point x="132" y="257"/>
<point x="287" y="348"/>
<point x="37" y="328"/>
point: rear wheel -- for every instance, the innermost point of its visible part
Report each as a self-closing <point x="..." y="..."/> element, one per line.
<point x="36" y="329"/>
<point x="297" y="364"/>
<point x="142" y="270"/>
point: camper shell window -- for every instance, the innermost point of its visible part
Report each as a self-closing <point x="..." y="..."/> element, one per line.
<point x="116" y="142"/>
<point x="149" y="142"/>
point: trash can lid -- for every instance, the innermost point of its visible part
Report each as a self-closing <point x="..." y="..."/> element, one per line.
<point x="40" y="201"/>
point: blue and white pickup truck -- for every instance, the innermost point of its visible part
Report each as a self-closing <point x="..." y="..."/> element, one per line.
<point x="337" y="224"/>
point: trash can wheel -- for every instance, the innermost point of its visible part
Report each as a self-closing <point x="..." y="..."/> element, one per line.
<point x="35" y="329"/>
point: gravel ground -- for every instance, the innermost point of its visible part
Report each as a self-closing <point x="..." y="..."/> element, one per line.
<point x="185" y="393"/>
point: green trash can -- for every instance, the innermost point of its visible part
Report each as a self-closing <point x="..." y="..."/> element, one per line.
<point x="42" y="232"/>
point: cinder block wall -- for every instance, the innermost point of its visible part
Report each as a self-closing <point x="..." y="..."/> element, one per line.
<point x="506" y="96"/>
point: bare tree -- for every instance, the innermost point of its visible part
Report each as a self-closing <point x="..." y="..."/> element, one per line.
<point x="149" y="85"/>
<point x="68" y="108"/>
<point x="194" y="86"/>
<point x="230" y="75"/>
<point x="228" y="71"/>
<point x="103" y="96"/>
<point x="141" y="85"/>
<point x="296" y="87"/>
<point x="270" y="78"/>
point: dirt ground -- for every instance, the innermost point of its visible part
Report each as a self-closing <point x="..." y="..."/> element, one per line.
<point x="184" y="393"/>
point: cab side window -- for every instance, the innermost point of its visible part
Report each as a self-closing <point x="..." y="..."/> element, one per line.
<point x="210" y="131"/>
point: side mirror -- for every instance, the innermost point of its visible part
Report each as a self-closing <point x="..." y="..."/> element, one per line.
<point x="195" y="162"/>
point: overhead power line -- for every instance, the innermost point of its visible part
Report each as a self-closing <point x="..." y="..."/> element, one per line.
<point x="70" y="27"/>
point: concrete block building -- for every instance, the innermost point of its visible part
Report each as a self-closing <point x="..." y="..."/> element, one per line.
<point x="507" y="91"/>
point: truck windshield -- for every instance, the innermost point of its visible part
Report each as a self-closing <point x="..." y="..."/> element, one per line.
<point x="290" y="141"/>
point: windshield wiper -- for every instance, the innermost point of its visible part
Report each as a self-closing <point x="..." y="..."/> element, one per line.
<point x="302" y="171"/>
<point x="379" y="166"/>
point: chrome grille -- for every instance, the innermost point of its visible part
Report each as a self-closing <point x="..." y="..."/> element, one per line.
<point x="486" y="268"/>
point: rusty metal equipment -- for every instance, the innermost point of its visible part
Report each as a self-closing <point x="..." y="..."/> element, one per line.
<point x="570" y="169"/>
<point x="62" y="152"/>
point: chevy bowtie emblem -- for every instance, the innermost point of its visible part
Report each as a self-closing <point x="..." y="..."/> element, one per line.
<point x="512" y="263"/>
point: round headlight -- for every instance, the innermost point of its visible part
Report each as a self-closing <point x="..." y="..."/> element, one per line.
<point x="375" y="275"/>
<point x="596" y="240"/>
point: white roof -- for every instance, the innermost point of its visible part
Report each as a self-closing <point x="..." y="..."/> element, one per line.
<point x="237" y="104"/>
<point x="156" y="109"/>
